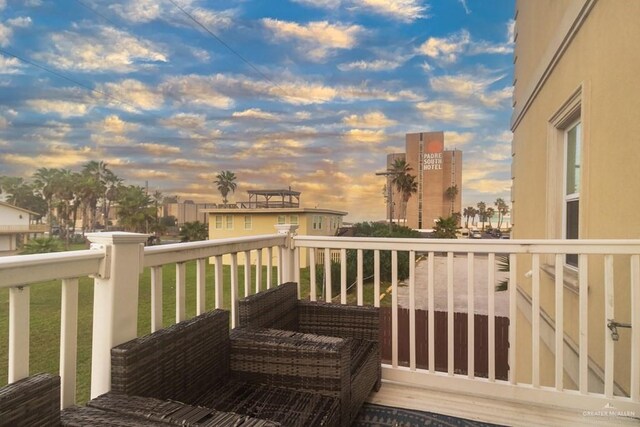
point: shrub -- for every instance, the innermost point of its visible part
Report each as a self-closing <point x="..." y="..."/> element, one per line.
<point x="41" y="245"/>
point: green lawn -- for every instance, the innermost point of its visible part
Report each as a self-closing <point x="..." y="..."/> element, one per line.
<point x="45" y="315"/>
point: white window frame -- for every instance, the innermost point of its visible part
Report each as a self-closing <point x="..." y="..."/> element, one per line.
<point x="293" y="219"/>
<point x="218" y="222"/>
<point x="229" y="222"/>
<point x="248" y="222"/>
<point x="282" y="219"/>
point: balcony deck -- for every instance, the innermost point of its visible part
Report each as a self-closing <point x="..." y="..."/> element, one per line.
<point x="487" y="410"/>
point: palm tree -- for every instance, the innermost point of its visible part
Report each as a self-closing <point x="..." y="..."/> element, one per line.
<point x="469" y="212"/>
<point x="404" y="182"/>
<point x="502" y="209"/>
<point x="225" y="183"/>
<point x="489" y="214"/>
<point x="44" y="182"/>
<point x="451" y="194"/>
<point x="482" y="212"/>
<point x="193" y="231"/>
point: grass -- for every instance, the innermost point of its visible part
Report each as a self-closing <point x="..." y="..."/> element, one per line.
<point x="45" y="315"/>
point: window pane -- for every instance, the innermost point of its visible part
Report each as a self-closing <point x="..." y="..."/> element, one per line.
<point x="247" y="222"/>
<point x="281" y="219"/>
<point x="573" y="160"/>
<point x="229" y="222"/>
<point x="573" y="209"/>
<point x="294" y="219"/>
<point x="218" y="221"/>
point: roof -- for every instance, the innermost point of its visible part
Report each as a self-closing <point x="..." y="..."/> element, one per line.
<point x="9" y="205"/>
<point x="274" y="192"/>
<point x="273" y="211"/>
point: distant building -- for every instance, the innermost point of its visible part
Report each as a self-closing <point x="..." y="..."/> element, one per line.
<point x="15" y="224"/>
<point x="263" y="211"/>
<point x="436" y="170"/>
<point x="186" y="211"/>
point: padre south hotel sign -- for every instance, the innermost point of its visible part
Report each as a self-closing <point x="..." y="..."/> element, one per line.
<point x="432" y="161"/>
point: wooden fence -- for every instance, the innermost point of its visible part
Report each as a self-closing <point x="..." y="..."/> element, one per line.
<point x="459" y="346"/>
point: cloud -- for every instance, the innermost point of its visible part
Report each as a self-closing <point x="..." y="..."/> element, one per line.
<point x="64" y="109"/>
<point x="316" y="40"/>
<point x="465" y="7"/>
<point x="375" y="65"/>
<point x="55" y="155"/>
<point x="453" y="138"/>
<point x="374" y="119"/>
<point x="138" y="11"/>
<point x="9" y="65"/>
<point x="449" y="112"/>
<point x="446" y="49"/>
<point x="365" y="136"/>
<point x="5" y="34"/>
<point x="195" y="89"/>
<point x="401" y="10"/>
<point x="255" y="113"/>
<point x="135" y="95"/>
<point x="158" y="149"/>
<point x="324" y="4"/>
<point x="20" y="22"/>
<point x="101" y="49"/>
<point x="467" y="86"/>
<point x="150" y="174"/>
<point x="114" y="125"/>
<point x="4" y="123"/>
<point x="184" y="121"/>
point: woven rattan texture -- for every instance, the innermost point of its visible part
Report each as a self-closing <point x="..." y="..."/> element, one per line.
<point x="32" y="401"/>
<point x="358" y="325"/>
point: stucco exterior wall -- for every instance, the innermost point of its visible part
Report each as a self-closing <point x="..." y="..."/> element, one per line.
<point x="601" y="64"/>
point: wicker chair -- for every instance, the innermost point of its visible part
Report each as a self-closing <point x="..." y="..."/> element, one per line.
<point x="183" y="374"/>
<point x="358" y="327"/>
<point x="32" y="401"/>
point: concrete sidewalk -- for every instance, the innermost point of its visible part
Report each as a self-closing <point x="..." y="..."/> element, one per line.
<point x="460" y="274"/>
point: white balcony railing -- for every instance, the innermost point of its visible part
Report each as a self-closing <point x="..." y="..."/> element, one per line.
<point x="561" y="350"/>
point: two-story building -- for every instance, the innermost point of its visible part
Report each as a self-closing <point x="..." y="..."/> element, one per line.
<point x="264" y="210"/>
<point x="15" y="224"/>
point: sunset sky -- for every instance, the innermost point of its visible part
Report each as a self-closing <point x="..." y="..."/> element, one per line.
<point x="310" y="94"/>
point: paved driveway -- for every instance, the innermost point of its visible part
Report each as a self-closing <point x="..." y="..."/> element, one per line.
<point x="460" y="274"/>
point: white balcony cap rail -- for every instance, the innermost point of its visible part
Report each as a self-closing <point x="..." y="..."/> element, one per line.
<point x="19" y="270"/>
<point x="181" y="252"/>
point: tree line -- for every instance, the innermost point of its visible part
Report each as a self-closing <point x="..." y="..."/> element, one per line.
<point x="62" y="195"/>
<point x="483" y="213"/>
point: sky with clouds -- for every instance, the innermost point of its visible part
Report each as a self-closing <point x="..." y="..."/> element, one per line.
<point x="310" y="94"/>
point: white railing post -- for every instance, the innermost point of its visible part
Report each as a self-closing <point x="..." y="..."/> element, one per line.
<point x="287" y="251"/>
<point x="115" y="301"/>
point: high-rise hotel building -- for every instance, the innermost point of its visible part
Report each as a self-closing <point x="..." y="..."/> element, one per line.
<point x="436" y="170"/>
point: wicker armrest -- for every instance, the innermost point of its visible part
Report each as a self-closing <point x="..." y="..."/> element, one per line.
<point x="347" y="321"/>
<point x="31" y="401"/>
<point x="293" y="360"/>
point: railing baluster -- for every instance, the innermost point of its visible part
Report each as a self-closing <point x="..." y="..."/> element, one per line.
<point x="327" y="274"/>
<point x="201" y="280"/>
<point x="18" y="333"/>
<point x="491" y="293"/>
<point x="471" y="324"/>
<point x="296" y="268"/>
<point x="432" y="316"/>
<point x="394" y="308"/>
<point x="360" y="277"/>
<point x="376" y="278"/>
<point x="156" y="298"/>
<point x="219" y="281"/>
<point x="559" y="284"/>
<point x="234" y="290"/>
<point x="280" y="265"/>
<point x="259" y="270"/>
<point x="535" y="321"/>
<point x="269" y="267"/>
<point x="312" y="274"/>
<point x="635" y="328"/>
<point x="608" y="314"/>
<point x="513" y="313"/>
<point x="343" y="276"/>
<point x="450" y="313"/>
<point x="583" y="285"/>
<point x="68" y="342"/>
<point x="412" y="310"/>
<point x="247" y="273"/>
<point x="181" y="269"/>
